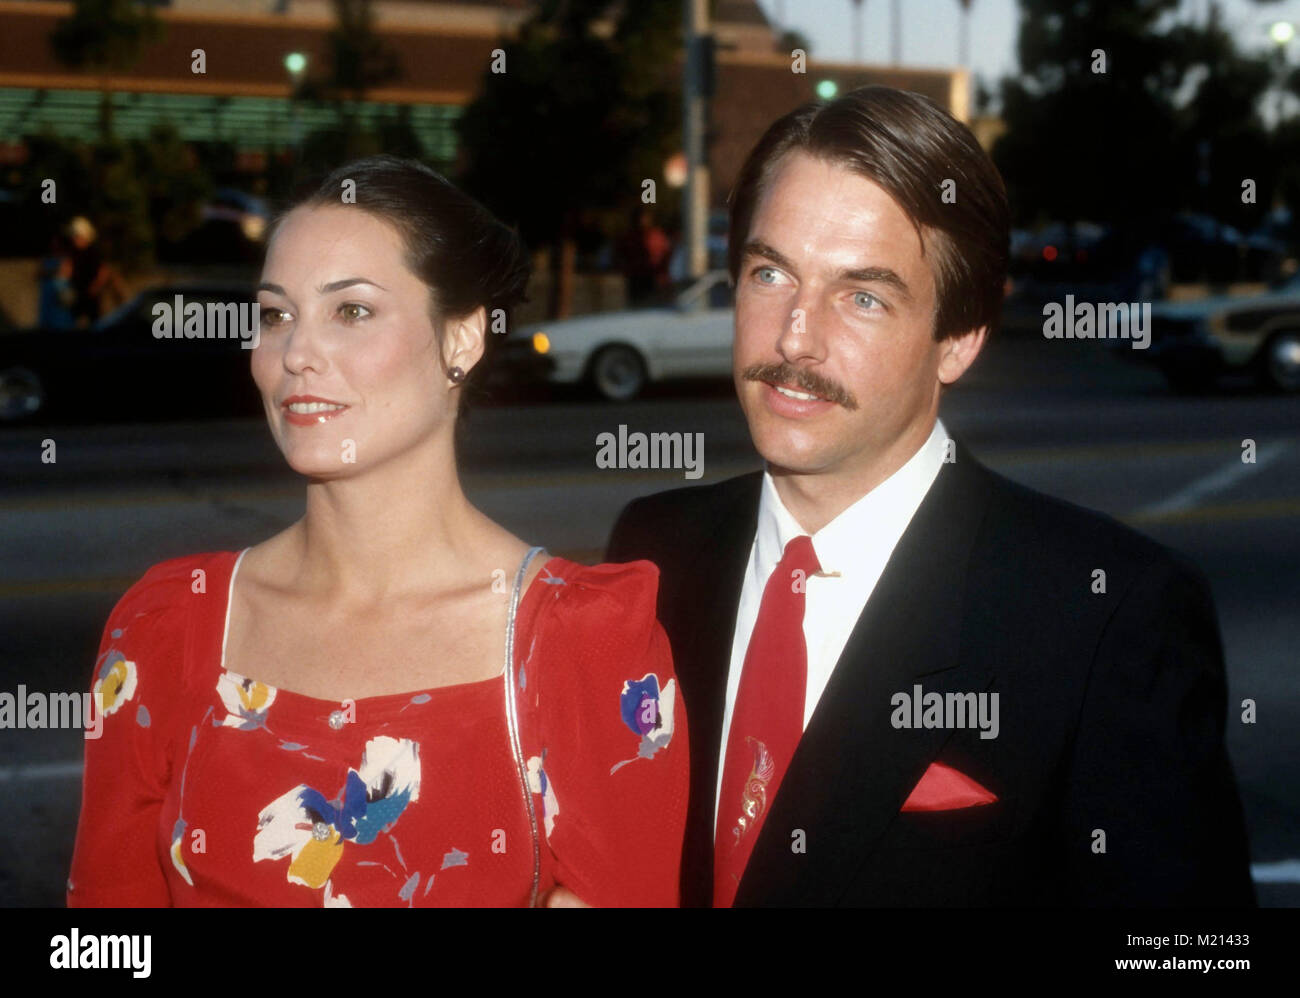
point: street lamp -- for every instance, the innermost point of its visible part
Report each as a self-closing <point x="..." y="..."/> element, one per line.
<point x="857" y="30"/>
<point x="296" y="64"/>
<point x="1281" y="32"/>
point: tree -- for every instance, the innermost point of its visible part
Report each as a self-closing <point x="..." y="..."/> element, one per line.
<point x="1096" y="125"/>
<point x="359" y="61"/>
<point x="567" y="134"/>
<point x="104" y="36"/>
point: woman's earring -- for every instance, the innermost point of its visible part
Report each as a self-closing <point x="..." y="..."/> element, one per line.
<point x="457" y="375"/>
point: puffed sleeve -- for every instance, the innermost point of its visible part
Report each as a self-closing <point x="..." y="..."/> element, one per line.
<point x="613" y="771"/>
<point x="134" y="689"/>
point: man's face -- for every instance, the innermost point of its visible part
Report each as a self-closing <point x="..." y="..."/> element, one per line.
<point x="834" y="299"/>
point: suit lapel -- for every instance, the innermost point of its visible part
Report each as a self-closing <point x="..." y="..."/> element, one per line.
<point x="852" y="770"/>
<point x="716" y="576"/>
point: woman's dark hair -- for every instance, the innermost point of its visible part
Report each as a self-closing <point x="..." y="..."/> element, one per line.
<point x="463" y="253"/>
<point x="910" y="146"/>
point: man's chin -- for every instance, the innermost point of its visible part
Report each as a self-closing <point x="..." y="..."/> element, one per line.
<point x="790" y="457"/>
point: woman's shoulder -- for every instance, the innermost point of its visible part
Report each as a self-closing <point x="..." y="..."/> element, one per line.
<point x="176" y="584"/>
<point x="597" y="604"/>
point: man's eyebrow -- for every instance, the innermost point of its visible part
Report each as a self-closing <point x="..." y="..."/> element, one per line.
<point x="324" y="289"/>
<point x="879" y="275"/>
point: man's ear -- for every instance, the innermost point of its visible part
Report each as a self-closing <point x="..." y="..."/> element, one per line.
<point x="462" y="344"/>
<point x="957" y="353"/>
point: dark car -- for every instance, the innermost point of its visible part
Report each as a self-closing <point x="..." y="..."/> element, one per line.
<point x="1136" y="262"/>
<point x="1089" y="262"/>
<point x="1194" y="342"/>
<point x="119" y="369"/>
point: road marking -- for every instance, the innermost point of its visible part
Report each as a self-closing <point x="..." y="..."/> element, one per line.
<point x="42" y="771"/>
<point x="1286" y="871"/>
<point x="1264" y="509"/>
<point x="1216" y="481"/>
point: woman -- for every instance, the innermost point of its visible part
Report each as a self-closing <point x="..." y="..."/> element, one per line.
<point x="394" y="701"/>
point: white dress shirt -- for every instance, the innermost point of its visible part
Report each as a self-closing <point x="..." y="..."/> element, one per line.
<point x="852" y="550"/>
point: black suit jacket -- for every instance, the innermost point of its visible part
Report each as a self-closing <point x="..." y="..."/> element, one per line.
<point x="1111" y="709"/>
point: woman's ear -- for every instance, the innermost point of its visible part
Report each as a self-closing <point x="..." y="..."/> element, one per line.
<point x="463" y="341"/>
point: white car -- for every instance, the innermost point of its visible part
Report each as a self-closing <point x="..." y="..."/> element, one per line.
<point x="619" y="353"/>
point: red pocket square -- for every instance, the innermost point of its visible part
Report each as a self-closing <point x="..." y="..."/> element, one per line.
<point x="943" y="788"/>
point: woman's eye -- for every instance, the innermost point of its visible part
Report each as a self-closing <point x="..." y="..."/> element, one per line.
<point x="346" y="308"/>
<point x="265" y="312"/>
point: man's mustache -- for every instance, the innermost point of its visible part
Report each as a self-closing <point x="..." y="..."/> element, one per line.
<point x="804" y="380"/>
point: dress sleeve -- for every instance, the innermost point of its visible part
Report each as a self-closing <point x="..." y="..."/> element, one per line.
<point x="134" y="688"/>
<point x="614" y="772"/>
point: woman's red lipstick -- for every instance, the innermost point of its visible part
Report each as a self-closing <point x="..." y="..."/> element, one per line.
<point x="317" y="411"/>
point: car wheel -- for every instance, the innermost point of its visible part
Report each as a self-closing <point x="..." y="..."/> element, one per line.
<point x="618" y="373"/>
<point x="21" y="394"/>
<point x="1281" y="356"/>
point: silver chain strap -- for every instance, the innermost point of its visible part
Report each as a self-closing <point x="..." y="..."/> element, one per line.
<point x="512" y="722"/>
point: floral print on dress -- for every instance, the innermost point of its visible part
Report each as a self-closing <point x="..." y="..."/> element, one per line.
<point x="540" y="783"/>
<point x="648" y="711"/>
<point x="246" y="701"/>
<point x="178" y="850"/>
<point x="114" y="682"/>
<point x="312" y="831"/>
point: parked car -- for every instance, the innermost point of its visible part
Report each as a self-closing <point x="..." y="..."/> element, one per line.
<point x="618" y="353"/>
<point x="231" y="227"/>
<point x="1089" y="262"/>
<point x="1136" y="262"/>
<point x="117" y="369"/>
<point x="1194" y="342"/>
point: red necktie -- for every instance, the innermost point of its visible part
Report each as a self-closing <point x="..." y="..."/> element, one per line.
<point x="767" y="721"/>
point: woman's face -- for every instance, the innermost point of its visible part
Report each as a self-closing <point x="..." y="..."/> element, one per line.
<point x="344" y="321"/>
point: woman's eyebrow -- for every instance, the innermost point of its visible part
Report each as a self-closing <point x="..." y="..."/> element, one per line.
<point x="324" y="289"/>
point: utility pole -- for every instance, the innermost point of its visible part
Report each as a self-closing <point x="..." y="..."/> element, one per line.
<point x="963" y="37"/>
<point x="896" y="41"/>
<point x="857" y="30"/>
<point x="695" y="90"/>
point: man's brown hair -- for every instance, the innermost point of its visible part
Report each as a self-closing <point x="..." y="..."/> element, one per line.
<point x="908" y="145"/>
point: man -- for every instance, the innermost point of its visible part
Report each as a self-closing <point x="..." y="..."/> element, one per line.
<point x="910" y="680"/>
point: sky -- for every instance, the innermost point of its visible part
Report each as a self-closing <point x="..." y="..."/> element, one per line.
<point x="930" y="29"/>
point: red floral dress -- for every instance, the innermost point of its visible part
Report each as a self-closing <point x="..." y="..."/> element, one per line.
<point x="206" y="787"/>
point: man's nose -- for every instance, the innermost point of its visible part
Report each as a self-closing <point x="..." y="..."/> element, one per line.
<point x="802" y="332"/>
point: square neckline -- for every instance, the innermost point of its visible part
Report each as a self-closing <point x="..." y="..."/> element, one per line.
<point x="404" y="697"/>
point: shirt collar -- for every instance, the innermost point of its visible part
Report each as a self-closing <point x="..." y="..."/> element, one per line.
<point x="880" y="516"/>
